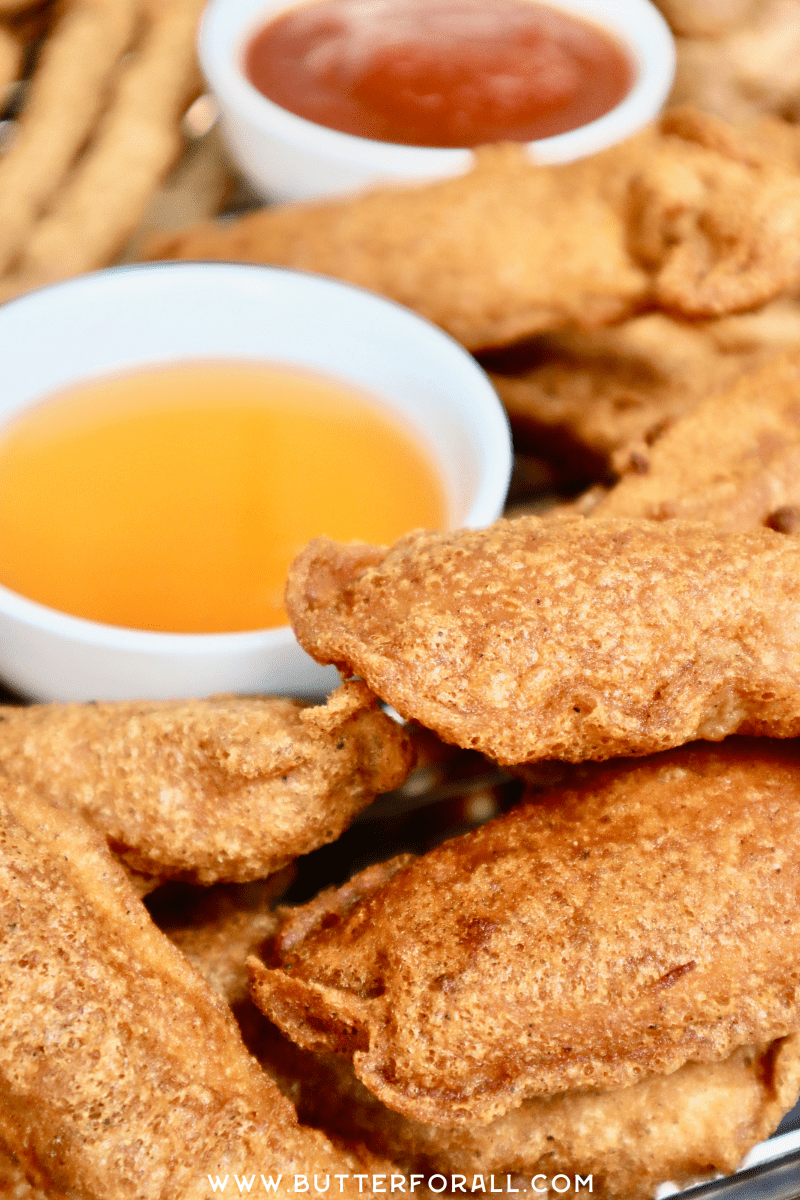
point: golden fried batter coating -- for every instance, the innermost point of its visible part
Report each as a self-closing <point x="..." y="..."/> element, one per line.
<point x="595" y="401"/>
<point x="707" y="18"/>
<point x="734" y="461"/>
<point x="567" y="637"/>
<point x="701" y="1120"/>
<point x="512" y="249"/>
<point x="751" y="69"/>
<point x="638" y="917"/>
<point x="224" y="925"/>
<point x="419" y="245"/>
<point x="230" y="788"/>
<point x="715" y="222"/>
<point x="13" y="1181"/>
<point x="122" y="1075"/>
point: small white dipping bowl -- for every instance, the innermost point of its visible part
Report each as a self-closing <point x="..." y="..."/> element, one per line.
<point x="286" y="157"/>
<point x="123" y="319"/>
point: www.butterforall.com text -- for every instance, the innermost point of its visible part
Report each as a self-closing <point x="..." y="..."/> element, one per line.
<point x="319" y="1184"/>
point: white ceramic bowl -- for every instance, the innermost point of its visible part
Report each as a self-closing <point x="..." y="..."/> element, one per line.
<point x="286" y="157"/>
<point x="171" y="312"/>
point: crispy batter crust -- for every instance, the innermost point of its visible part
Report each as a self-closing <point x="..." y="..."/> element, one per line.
<point x="707" y="18"/>
<point x="686" y="215"/>
<point x="719" y="237"/>
<point x="230" y="788"/>
<point x="624" y="924"/>
<point x="714" y="220"/>
<point x="122" y="1075"/>
<point x="749" y="70"/>
<point x="564" y="638"/>
<point x="13" y="1181"/>
<point x="699" y="1121"/>
<point x="734" y="461"/>
<point x="418" y="246"/>
<point x="594" y="402"/>
<point x="220" y="930"/>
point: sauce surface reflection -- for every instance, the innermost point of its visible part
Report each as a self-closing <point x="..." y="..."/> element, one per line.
<point x="439" y="72"/>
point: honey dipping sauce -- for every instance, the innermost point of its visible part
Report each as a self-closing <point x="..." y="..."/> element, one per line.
<point x="439" y="72"/>
<point x="174" y="498"/>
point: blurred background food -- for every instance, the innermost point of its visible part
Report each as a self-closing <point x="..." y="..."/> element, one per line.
<point x="105" y="133"/>
<point x="95" y="94"/>
<point x="398" y="91"/>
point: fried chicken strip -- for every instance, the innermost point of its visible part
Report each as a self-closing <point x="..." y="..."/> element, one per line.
<point x="707" y="18"/>
<point x="688" y="215"/>
<point x="711" y="218"/>
<point x="418" y="245"/>
<point x="121" y="1073"/>
<point x="593" y="402"/>
<point x="699" y="1121"/>
<point x="702" y="1119"/>
<point x="631" y="920"/>
<point x="567" y="637"/>
<point x="750" y="70"/>
<point x="230" y="788"/>
<point x="734" y="461"/>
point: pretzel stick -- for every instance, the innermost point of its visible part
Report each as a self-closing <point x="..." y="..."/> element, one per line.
<point x="67" y="93"/>
<point x="135" y="146"/>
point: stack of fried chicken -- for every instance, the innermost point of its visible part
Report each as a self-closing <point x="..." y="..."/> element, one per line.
<point x="602" y="981"/>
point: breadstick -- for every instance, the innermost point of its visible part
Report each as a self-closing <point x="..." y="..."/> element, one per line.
<point x="67" y="93"/>
<point x="136" y="144"/>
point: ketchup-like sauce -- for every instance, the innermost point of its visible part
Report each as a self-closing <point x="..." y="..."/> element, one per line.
<point x="439" y="72"/>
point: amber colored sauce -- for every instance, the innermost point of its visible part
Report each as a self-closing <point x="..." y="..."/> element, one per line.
<point x="439" y="72"/>
<point x="174" y="498"/>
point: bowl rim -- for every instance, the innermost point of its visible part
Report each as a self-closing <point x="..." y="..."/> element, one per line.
<point x="491" y="491"/>
<point x="226" y="26"/>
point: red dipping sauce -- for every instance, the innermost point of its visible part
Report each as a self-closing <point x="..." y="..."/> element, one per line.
<point x="439" y="72"/>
